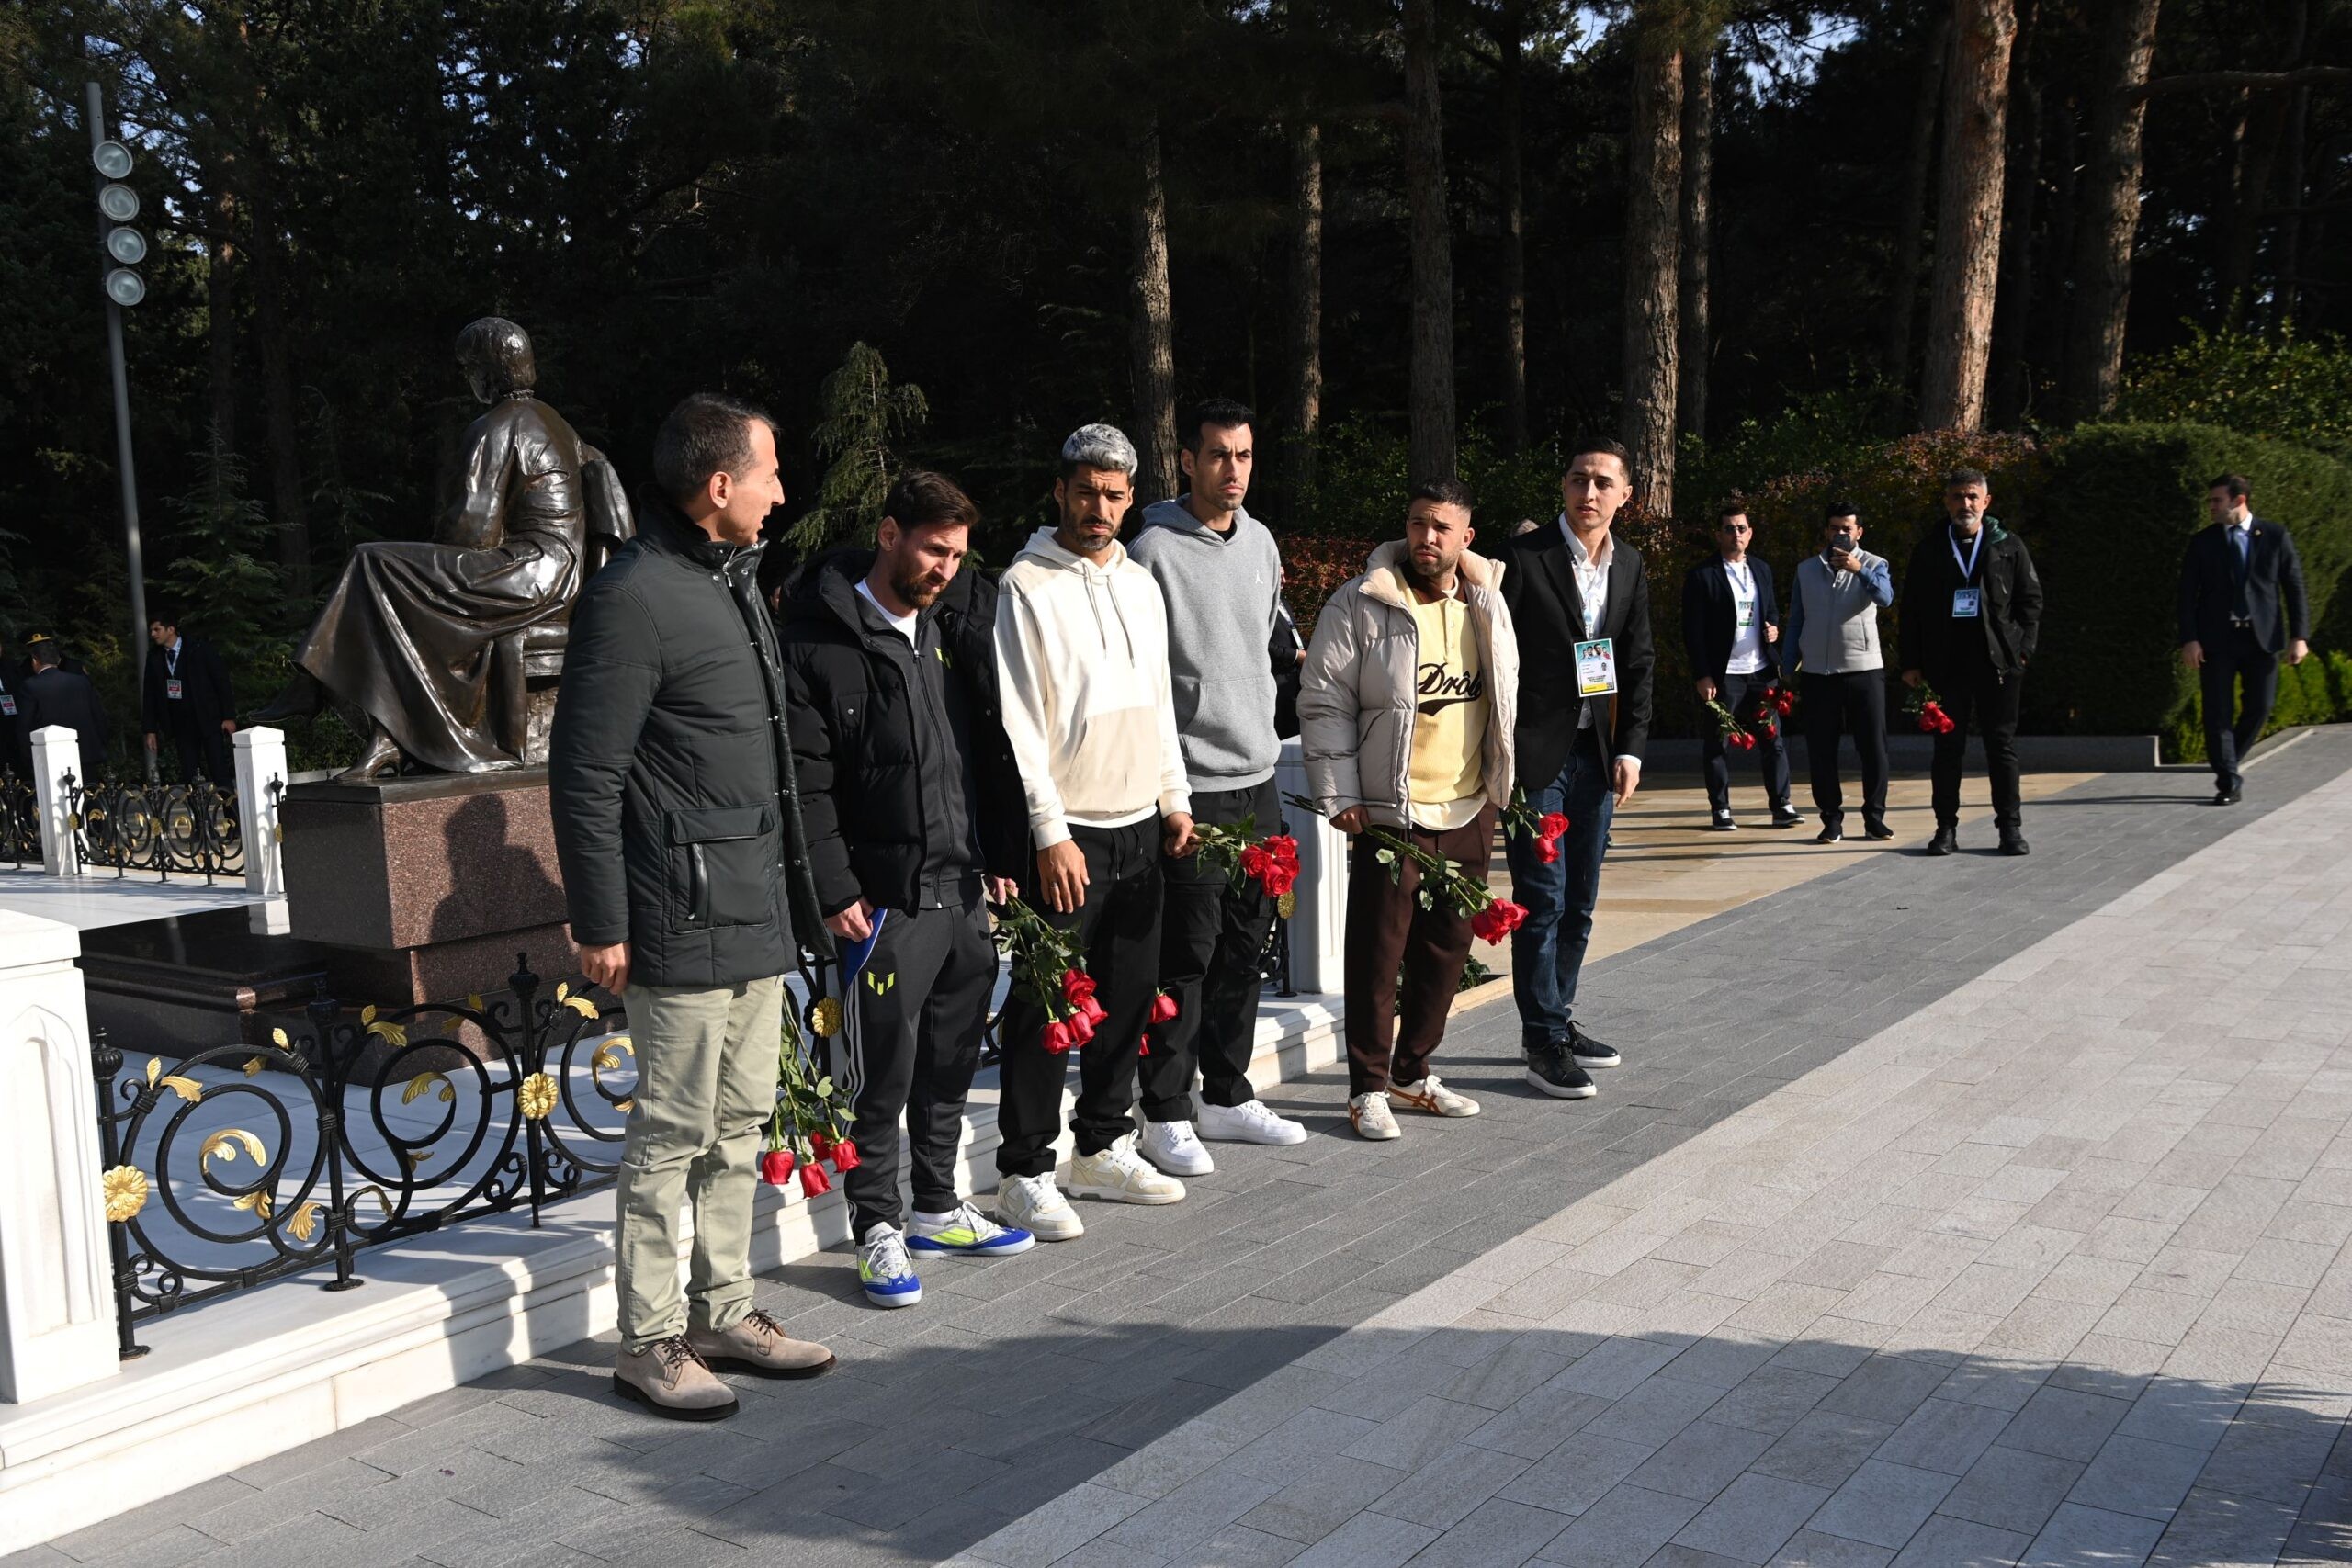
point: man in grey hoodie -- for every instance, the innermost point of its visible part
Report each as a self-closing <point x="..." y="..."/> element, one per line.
<point x="1221" y="574"/>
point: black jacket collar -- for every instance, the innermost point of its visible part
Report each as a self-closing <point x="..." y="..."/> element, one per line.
<point x="666" y="531"/>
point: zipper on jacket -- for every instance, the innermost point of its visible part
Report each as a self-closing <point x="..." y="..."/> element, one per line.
<point x="697" y="887"/>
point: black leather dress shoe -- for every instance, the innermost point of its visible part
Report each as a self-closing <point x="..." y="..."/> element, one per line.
<point x="1946" y="842"/>
<point x="1589" y="1052"/>
<point x="2013" y="843"/>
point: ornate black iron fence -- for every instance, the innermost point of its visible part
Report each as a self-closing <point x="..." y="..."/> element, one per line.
<point x="187" y="830"/>
<point x="232" y="1166"/>
<point x="20" y="819"/>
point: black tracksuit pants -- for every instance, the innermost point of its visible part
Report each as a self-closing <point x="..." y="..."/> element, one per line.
<point x="1119" y="925"/>
<point x="909" y="1043"/>
<point x="1837" y="705"/>
<point x="1993" y="700"/>
<point x="2231" y="724"/>
<point x="1212" y="938"/>
<point x="1742" y="694"/>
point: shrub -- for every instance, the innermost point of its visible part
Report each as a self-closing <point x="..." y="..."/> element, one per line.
<point x="2288" y="387"/>
<point x="2117" y="514"/>
<point x="1312" y="570"/>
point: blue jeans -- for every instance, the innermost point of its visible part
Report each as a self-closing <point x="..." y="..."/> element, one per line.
<point x="1548" y="950"/>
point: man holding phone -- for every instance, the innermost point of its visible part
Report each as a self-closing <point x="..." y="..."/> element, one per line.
<point x="1832" y="627"/>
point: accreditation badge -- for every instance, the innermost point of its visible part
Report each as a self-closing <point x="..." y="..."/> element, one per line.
<point x="171" y="690"/>
<point x="1597" y="667"/>
<point x="1964" y="603"/>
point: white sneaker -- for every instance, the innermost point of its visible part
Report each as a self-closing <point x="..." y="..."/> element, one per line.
<point x="1369" y="1114"/>
<point x="1035" y="1205"/>
<point x="1432" y="1097"/>
<point x="1171" y="1146"/>
<point x="1250" y="1123"/>
<point x="1119" y="1174"/>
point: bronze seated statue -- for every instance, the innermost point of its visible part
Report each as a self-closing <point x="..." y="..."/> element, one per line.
<point x="448" y="651"/>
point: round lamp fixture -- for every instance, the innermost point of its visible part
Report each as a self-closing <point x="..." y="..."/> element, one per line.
<point x="124" y="286"/>
<point x="119" y="203"/>
<point x="127" y="245"/>
<point x="112" y="159"/>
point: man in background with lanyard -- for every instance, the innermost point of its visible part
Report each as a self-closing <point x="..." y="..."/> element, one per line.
<point x="1731" y="632"/>
<point x="1972" y="613"/>
<point x="1581" y="609"/>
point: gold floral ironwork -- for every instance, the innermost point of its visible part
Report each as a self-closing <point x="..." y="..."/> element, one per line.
<point x="608" y="1057"/>
<point x="424" y="1081"/>
<point x="226" y="1142"/>
<point x="125" y="1193"/>
<point x="537" y="1097"/>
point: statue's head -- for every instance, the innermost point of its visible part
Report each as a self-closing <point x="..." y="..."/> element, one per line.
<point x="495" y="356"/>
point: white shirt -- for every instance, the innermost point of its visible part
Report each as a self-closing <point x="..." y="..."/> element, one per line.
<point x="904" y="624"/>
<point x="1748" y="626"/>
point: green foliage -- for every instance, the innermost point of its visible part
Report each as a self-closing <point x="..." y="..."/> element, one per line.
<point x="2294" y="388"/>
<point x="1361" y="486"/>
<point x="865" y="417"/>
<point x="2120" y="506"/>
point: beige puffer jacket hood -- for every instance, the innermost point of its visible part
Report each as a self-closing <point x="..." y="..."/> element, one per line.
<point x="1359" y="688"/>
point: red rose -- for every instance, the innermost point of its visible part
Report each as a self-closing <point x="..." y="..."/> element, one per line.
<point x="1092" y="1011"/>
<point x="813" y="1179"/>
<point x="1944" y="725"/>
<point x="1143" y="1046"/>
<point x="775" y="1166"/>
<point x="1077" y="986"/>
<point x="1548" y="851"/>
<point x="1927" y="724"/>
<point x="1081" y="1027"/>
<point x="1163" y="1008"/>
<point x="1497" y="921"/>
<point x="1285" y="849"/>
<point x="1280" y="879"/>
<point x="846" y="1155"/>
<point x="820" y="1145"/>
<point x="1256" y="861"/>
<point x="1058" y="1039"/>
<point x="1553" y="825"/>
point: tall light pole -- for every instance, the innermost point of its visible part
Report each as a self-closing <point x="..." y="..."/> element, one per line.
<point x="117" y="204"/>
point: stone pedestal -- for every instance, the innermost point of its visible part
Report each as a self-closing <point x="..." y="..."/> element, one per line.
<point x="1318" y="922"/>
<point x="425" y="888"/>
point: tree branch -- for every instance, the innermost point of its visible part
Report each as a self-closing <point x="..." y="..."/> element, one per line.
<point x="2260" y="81"/>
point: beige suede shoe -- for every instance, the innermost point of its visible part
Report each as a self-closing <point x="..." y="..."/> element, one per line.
<point x="670" y="1379"/>
<point x="758" y="1344"/>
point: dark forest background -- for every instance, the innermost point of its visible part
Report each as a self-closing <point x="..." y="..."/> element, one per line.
<point x="1753" y="237"/>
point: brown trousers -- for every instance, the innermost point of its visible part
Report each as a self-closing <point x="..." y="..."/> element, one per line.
<point x="1387" y="929"/>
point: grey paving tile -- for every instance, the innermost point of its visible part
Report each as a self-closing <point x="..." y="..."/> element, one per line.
<point x="1945" y="1435"/>
<point x="2012" y="1489"/>
<point x="1654" y="1412"/>
<point x="1575" y="1475"/>
<point x="1772" y="1399"/>
<point x="2213" y="1527"/>
<point x="1701" y="1459"/>
<point x="1445" y="1491"/>
<point x="2066" y="1423"/>
<point x="1368" y="1541"/>
<point x="1945" y="1542"/>
<point x="1824" y="1449"/>
<point x="1811" y="1548"/>
<point x="1752" y="1518"/>
<point x="1621" y="1530"/>
<point x="1885" y="1388"/>
<point x="1327" y="1493"/>
<point x="1417" y="1437"/>
<point x="2077" y="1535"/>
<point x="1496" y="1534"/>
<point x="2132" y="1475"/>
<point x="1882" y="1504"/>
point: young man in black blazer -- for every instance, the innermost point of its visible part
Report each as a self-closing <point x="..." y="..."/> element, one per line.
<point x="2242" y="606"/>
<point x="1580" y="604"/>
<point x="1731" y="631"/>
<point x="186" y="701"/>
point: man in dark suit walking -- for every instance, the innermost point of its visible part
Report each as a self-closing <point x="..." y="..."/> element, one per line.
<point x="1731" y="631"/>
<point x="2242" y="606"/>
<point x="188" y="701"/>
<point x="1580" y="604"/>
<point x="55" y="695"/>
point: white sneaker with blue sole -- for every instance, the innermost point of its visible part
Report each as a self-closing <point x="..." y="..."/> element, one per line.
<point x="885" y="1271"/>
<point x="965" y="1232"/>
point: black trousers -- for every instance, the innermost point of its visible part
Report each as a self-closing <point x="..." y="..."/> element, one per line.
<point x="1992" y="700"/>
<point x="1212" y="936"/>
<point x="1119" y="925"/>
<point x="204" y="752"/>
<point x="1740" y="693"/>
<point x="909" y="1043"/>
<point x="2233" y="723"/>
<point x="1854" y="705"/>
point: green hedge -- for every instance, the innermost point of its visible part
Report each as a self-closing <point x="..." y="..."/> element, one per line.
<point x="2114" y="517"/>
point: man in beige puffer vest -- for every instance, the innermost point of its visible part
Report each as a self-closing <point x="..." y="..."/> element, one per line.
<point x="1405" y="708"/>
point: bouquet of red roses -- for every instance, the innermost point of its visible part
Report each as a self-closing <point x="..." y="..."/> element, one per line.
<point x="1733" y="734"/>
<point x="1492" y="918"/>
<point x="1928" y="711"/>
<point x="1775" y="705"/>
<point x="1271" y="861"/>
<point x="1520" y="822"/>
<point x="810" y="1124"/>
<point x="1050" y="965"/>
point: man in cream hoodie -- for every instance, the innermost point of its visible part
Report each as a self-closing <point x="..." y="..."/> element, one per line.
<point x="1223" y="577"/>
<point x="1081" y="647"/>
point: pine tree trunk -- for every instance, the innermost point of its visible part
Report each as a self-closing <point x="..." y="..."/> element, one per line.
<point x="1151" y="328"/>
<point x="288" y="497"/>
<point x="1305" y="397"/>
<point x="2009" y="379"/>
<point x="1653" y="246"/>
<point x="1696" y="350"/>
<point x="1512" y="43"/>
<point x="1968" y="217"/>
<point x="2110" y="209"/>
<point x="1431" y="442"/>
<point x="1919" y="168"/>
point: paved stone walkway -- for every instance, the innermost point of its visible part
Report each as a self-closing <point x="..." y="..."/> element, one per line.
<point x="1949" y="1212"/>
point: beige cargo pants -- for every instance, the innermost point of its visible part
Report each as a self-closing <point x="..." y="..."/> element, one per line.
<point x="706" y="1086"/>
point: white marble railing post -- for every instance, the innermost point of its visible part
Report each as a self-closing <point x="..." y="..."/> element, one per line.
<point x="261" y="761"/>
<point x="1318" y="922"/>
<point x="57" y="756"/>
<point x="57" y="1327"/>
